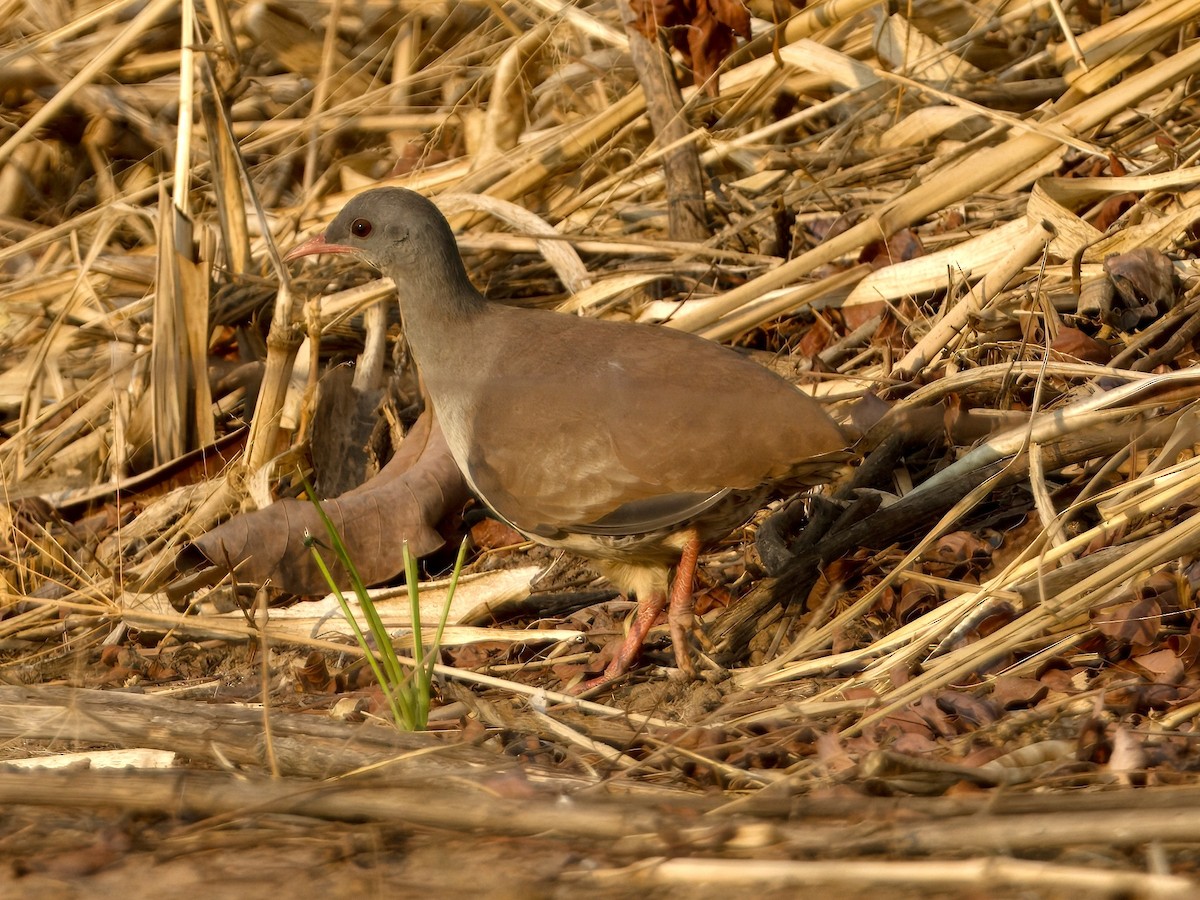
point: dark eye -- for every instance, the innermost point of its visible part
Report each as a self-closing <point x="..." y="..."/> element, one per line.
<point x="360" y="228"/>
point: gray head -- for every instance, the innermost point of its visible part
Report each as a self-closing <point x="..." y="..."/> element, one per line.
<point x="394" y="230"/>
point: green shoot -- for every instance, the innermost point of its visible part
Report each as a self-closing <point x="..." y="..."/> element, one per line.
<point x="407" y="693"/>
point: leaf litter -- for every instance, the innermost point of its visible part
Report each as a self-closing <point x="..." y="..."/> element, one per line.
<point x="968" y="230"/>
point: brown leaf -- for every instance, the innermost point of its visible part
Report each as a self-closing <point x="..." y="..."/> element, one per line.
<point x="1135" y="622"/>
<point x="1073" y="342"/>
<point x="832" y="755"/>
<point x="956" y="550"/>
<point x="404" y="502"/>
<point x="1014" y="692"/>
<point x="478" y="654"/>
<point x="860" y="313"/>
<point x="967" y="708"/>
<point x="490" y="534"/>
<point x="1064" y="681"/>
<point x="703" y="31"/>
<point x="901" y="246"/>
<point x="314" y="677"/>
<point x="916" y="597"/>
<point x="813" y="341"/>
<point x="913" y="744"/>
<point x="1144" y="279"/>
<point x="931" y="715"/>
<point x="1164" y="666"/>
<point x="1114" y="207"/>
<point x="709" y="41"/>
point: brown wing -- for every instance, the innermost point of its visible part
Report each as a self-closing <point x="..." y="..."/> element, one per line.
<point x="644" y="425"/>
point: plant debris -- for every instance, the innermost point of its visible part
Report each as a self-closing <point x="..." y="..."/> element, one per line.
<point x="969" y="231"/>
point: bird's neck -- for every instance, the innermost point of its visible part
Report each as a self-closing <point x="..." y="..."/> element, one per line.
<point x="441" y="311"/>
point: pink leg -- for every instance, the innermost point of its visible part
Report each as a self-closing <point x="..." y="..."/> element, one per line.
<point x="648" y="609"/>
<point x="679" y="615"/>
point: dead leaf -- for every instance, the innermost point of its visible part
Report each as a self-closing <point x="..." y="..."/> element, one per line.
<point x="1144" y="279"/>
<point x="1163" y="666"/>
<point x="955" y="551"/>
<point x="1114" y="207"/>
<point x="313" y="677"/>
<point x="967" y="708"/>
<point x="1073" y="342"/>
<point x="1014" y="692"/>
<point x="901" y="246"/>
<point x="491" y="534"/>
<point x="413" y="492"/>
<point x="1134" y="622"/>
<point x="703" y="31"/>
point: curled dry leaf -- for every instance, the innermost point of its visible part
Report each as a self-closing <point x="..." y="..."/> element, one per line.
<point x="957" y="551"/>
<point x="313" y="677"/>
<point x="1112" y="210"/>
<point x="1145" y="282"/>
<point x="404" y="502"/>
<point x="1074" y="343"/>
<point x="1015" y="692"/>
<point x="904" y="245"/>
<point x="1140" y="287"/>
<point x="703" y="31"/>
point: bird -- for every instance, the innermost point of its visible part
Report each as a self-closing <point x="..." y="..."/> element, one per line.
<point x="632" y="445"/>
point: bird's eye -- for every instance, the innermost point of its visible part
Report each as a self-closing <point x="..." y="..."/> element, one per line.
<point x="360" y="228"/>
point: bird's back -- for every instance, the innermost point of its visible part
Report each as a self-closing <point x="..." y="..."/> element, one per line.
<point x="592" y="416"/>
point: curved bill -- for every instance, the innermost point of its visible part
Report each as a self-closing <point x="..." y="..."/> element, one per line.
<point x="315" y="245"/>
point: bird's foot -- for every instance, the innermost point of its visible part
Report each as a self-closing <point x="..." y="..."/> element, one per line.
<point x="679" y="613"/>
<point x="681" y="628"/>
<point x="631" y="647"/>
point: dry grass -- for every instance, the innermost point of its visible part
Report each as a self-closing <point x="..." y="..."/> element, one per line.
<point x="147" y="185"/>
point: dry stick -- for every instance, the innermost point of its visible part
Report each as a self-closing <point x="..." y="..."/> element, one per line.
<point x="1025" y="576"/>
<point x="576" y="143"/>
<point x="227" y="183"/>
<point x="966" y="473"/>
<point x="584" y="22"/>
<point x="932" y="345"/>
<point x="1133" y="35"/>
<point x="226" y="62"/>
<point x="60" y="36"/>
<point x="78" y="223"/>
<point x="580" y="141"/>
<point x="305" y="746"/>
<point x="753" y="314"/>
<point x="1076" y="599"/>
<point x="997" y="117"/>
<point x="802" y="25"/>
<point x="1068" y="35"/>
<point x="958" y="181"/>
<point x="535" y="694"/>
<point x="129" y="34"/>
<point x="181" y="189"/>
<point x="505" y="117"/>
<point x="1152" y="332"/>
<point x="1115" y="34"/>
<point x="1053" y="424"/>
<point x="687" y="218"/>
<point x="961" y="494"/>
<point x="887" y="877"/>
<point x="193" y="269"/>
<point x="169" y="347"/>
<point x="262" y="613"/>
<point x="321" y="94"/>
<point x="454" y="805"/>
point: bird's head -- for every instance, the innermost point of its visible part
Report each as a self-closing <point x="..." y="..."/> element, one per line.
<point x="391" y="229"/>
